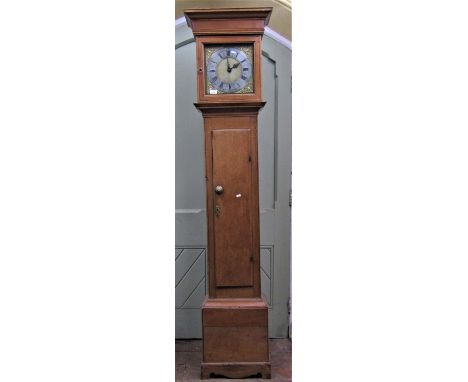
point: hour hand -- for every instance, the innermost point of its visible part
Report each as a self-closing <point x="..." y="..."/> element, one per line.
<point x="235" y="65"/>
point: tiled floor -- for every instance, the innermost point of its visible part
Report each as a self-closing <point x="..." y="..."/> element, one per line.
<point x="188" y="358"/>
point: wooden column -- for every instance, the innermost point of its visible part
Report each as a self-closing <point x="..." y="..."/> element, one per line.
<point x="234" y="314"/>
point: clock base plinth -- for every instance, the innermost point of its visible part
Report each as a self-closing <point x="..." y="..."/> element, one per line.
<point x="235" y="370"/>
<point x="235" y="338"/>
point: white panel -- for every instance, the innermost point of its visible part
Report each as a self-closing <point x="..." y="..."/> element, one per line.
<point x="189" y="154"/>
<point x="266" y="137"/>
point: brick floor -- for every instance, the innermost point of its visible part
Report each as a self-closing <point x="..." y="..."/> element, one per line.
<point x="188" y="358"/>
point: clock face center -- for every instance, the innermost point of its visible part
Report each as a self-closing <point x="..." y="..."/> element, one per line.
<point x="229" y="70"/>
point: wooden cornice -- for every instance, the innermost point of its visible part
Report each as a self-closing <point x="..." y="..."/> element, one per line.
<point x="225" y="21"/>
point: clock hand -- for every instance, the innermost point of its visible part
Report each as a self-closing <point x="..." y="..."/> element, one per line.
<point x="229" y="67"/>
<point x="235" y="65"/>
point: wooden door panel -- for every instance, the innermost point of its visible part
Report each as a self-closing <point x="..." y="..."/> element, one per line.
<point x="232" y="169"/>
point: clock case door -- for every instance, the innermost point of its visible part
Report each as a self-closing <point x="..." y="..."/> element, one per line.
<point x="256" y="96"/>
<point x="233" y="215"/>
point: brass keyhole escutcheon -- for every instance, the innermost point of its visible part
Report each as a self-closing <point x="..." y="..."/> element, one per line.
<point x="219" y="190"/>
<point x="217" y="210"/>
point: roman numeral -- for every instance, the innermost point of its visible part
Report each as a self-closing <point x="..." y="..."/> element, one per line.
<point x="244" y="78"/>
<point x="245" y="69"/>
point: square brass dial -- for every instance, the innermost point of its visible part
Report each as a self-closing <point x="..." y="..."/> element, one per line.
<point x="229" y="69"/>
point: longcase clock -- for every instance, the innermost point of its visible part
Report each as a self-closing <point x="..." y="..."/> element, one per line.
<point x="229" y="88"/>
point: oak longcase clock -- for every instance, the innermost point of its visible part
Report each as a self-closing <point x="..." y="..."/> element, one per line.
<point x="234" y="314"/>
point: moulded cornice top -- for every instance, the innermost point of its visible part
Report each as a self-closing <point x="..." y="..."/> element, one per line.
<point x="227" y="13"/>
<point x="212" y="21"/>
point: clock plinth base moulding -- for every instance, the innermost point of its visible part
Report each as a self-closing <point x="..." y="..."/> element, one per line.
<point x="234" y="314"/>
<point x="235" y="338"/>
